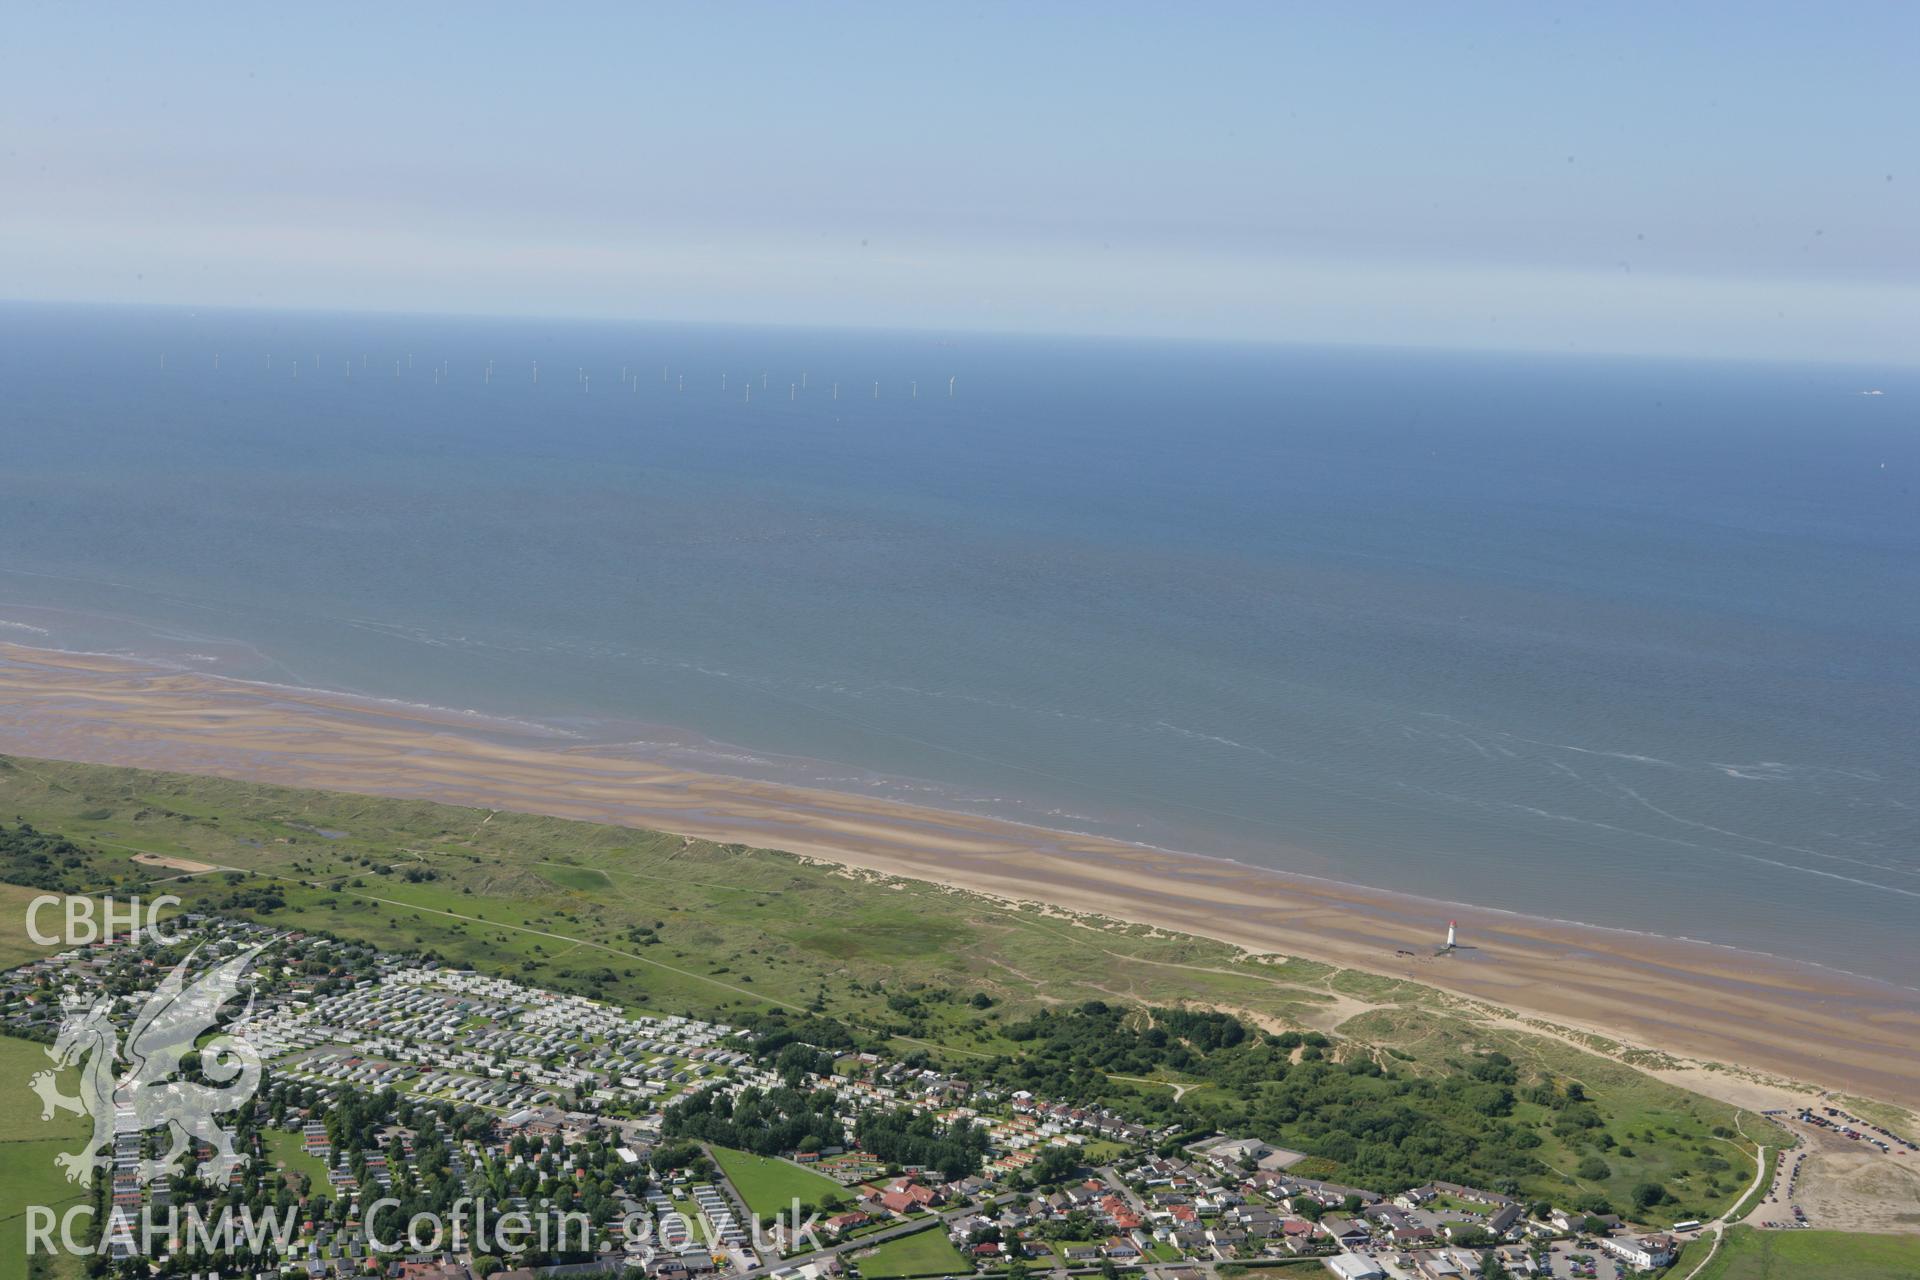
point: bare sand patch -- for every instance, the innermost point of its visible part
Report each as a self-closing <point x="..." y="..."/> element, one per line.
<point x="173" y="864"/>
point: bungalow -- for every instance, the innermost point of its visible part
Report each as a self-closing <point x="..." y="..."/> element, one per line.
<point x="841" y="1223"/>
<point x="1298" y="1233"/>
<point x="1345" y="1232"/>
<point x="1504" y="1219"/>
<point x="1189" y="1241"/>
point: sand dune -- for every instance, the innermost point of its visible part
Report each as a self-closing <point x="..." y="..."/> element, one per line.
<point x="1706" y="1002"/>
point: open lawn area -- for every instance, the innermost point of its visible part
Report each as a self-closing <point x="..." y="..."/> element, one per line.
<point x="769" y="1185"/>
<point x="15" y="946"/>
<point x="1750" y="1254"/>
<point x="28" y="1175"/>
<point x="924" y="1253"/>
<point x="288" y="1151"/>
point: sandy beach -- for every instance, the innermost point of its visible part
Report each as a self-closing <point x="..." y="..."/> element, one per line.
<point x="1712" y="1003"/>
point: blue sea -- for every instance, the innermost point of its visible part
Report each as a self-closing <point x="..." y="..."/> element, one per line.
<point x="1624" y="641"/>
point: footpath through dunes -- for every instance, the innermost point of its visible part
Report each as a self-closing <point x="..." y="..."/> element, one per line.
<point x="1717" y="1004"/>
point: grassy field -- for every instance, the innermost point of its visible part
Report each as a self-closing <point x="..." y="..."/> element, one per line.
<point x="288" y="1152"/>
<point x="1749" y="1254"/>
<point x="15" y="946"/>
<point x="28" y="1175"/>
<point x="924" y="1253"/>
<point x="771" y="1186"/>
<point x="674" y="925"/>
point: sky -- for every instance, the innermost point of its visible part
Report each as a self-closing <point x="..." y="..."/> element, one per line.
<point x="1731" y="180"/>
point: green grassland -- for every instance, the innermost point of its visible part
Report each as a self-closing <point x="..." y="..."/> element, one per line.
<point x="769" y="1185"/>
<point x="1654" y="1133"/>
<point x="1750" y="1254"/>
<point x="15" y="946"/>
<point x="288" y="1153"/>
<point x="675" y="925"/>
<point x="28" y="1175"/>
<point x="924" y="1253"/>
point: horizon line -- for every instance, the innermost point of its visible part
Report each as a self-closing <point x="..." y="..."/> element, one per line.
<point x="962" y="330"/>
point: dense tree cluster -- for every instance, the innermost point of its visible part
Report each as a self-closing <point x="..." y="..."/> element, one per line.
<point x="1385" y="1130"/>
<point x="41" y="861"/>
<point x="916" y="1138"/>
<point x="763" y="1122"/>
